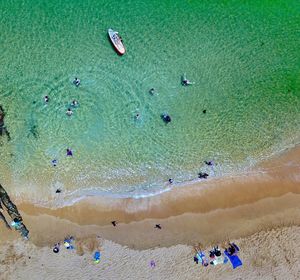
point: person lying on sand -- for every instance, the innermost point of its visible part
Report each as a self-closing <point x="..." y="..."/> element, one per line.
<point x="232" y="249"/>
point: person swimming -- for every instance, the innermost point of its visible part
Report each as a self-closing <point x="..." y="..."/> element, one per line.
<point x="185" y="81"/>
<point x="69" y="112"/>
<point x="152" y="91"/>
<point x="137" y="116"/>
<point x="166" y="118"/>
<point x="76" y="82"/>
<point x="170" y="181"/>
<point x="46" y="98"/>
<point x="209" y="163"/>
<point x="74" y="103"/>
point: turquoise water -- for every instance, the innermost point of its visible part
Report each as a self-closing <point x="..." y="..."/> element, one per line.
<point x="243" y="57"/>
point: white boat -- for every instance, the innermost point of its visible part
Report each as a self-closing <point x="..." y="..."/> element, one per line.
<point x="116" y="40"/>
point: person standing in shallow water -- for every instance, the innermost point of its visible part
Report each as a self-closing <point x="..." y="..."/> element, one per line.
<point x="69" y="153"/>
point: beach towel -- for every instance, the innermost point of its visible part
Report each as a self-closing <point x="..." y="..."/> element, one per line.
<point x="201" y="257"/>
<point x="218" y="260"/>
<point x="234" y="259"/>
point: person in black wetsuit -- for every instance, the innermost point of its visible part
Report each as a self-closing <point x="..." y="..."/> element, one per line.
<point x="166" y="118"/>
<point x="114" y="223"/>
<point x="202" y="175"/>
<point x="209" y="163"/>
<point x="158" y="226"/>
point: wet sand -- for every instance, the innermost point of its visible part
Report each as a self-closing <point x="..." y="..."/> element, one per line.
<point x="209" y="212"/>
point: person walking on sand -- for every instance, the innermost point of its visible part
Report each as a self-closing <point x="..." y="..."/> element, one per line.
<point x="158" y="226"/>
<point x="114" y="223"/>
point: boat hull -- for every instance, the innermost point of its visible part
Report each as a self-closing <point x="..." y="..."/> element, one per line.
<point x="116" y="41"/>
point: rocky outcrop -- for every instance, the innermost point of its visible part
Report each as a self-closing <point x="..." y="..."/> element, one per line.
<point x="3" y="129"/>
<point x="13" y="212"/>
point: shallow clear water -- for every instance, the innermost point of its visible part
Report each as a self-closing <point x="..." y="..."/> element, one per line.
<point x="243" y="57"/>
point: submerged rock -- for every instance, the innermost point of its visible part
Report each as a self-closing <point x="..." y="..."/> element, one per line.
<point x="3" y="129"/>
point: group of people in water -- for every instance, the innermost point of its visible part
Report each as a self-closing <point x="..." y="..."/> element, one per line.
<point x="74" y="102"/>
<point x="166" y="117"/>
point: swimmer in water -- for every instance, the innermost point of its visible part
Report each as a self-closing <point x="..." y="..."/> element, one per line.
<point x="152" y="91"/>
<point x="69" y="112"/>
<point x="185" y="81"/>
<point x="166" y="118"/>
<point x="74" y="103"/>
<point x="46" y="98"/>
<point x="76" y="82"/>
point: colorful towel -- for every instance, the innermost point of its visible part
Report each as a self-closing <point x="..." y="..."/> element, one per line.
<point x="234" y="259"/>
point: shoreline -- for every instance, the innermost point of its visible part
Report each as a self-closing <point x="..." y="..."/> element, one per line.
<point x="70" y="198"/>
<point x="223" y="209"/>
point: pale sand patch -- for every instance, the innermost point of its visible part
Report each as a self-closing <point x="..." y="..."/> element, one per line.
<point x="266" y="255"/>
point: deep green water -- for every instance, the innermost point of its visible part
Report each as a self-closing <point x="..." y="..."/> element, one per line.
<point x="243" y="56"/>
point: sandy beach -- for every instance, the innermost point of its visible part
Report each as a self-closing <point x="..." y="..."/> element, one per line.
<point x="260" y="210"/>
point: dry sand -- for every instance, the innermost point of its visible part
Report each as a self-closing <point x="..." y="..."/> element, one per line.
<point x="260" y="208"/>
<point x="266" y="255"/>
